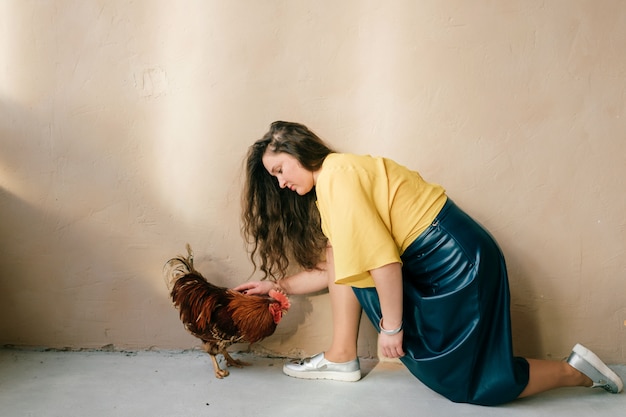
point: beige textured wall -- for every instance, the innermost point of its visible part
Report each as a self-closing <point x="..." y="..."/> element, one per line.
<point x="123" y="126"/>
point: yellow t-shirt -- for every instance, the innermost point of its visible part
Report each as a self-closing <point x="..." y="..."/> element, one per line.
<point x="372" y="209"/>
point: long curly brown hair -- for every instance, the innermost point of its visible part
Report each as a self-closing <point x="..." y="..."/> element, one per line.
<point x="278" y="224"/>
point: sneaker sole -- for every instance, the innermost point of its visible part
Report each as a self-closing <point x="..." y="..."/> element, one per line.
<point x="335" y="376"/>
<point x="595" y="362"/>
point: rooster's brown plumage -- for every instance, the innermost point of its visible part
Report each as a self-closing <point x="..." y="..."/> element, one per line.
<point x="220" y="316"/>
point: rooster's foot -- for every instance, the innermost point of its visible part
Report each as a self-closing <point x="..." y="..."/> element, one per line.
<point x="221" y="373"/>
<point x="230" y="361"/>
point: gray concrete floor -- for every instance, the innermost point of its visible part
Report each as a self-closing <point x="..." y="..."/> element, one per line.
<point x="165" y="383"/>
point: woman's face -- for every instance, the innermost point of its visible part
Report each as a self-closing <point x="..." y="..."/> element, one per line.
<point x="289" y="172"/>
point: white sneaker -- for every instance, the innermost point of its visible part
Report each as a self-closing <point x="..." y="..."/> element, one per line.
<point x="317" y="367"/>
<point x="589" y="364"/>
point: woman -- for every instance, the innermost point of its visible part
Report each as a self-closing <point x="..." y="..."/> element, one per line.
<point x="432" y="281"/>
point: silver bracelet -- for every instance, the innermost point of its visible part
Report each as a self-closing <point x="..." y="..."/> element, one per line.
<point x="389" y="332"/>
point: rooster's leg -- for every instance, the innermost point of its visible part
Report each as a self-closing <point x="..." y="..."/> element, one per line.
<point x="219" y="372"/>
<point x="230" y="361"/>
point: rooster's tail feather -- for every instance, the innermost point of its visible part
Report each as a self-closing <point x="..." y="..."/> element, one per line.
<point x="178" y="267"/>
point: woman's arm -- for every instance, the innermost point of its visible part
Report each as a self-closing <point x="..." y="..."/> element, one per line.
<point x="388" y="280"/>
<point x="304" y="282"/>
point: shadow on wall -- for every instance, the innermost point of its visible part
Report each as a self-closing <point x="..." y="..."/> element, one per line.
<point x="84" y="235"/>
<point x="535" y="316"/>
<point x="527" y="340"/>
<point x="67" y="279"/>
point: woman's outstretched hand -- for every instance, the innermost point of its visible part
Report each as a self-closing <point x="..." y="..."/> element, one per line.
<point x="255" y="287"/>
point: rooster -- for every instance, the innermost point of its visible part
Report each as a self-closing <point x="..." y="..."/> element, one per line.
<point x="220" y="316"/>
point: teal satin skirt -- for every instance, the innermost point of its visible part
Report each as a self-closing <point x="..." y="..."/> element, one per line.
<point x="457" y="326"/>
